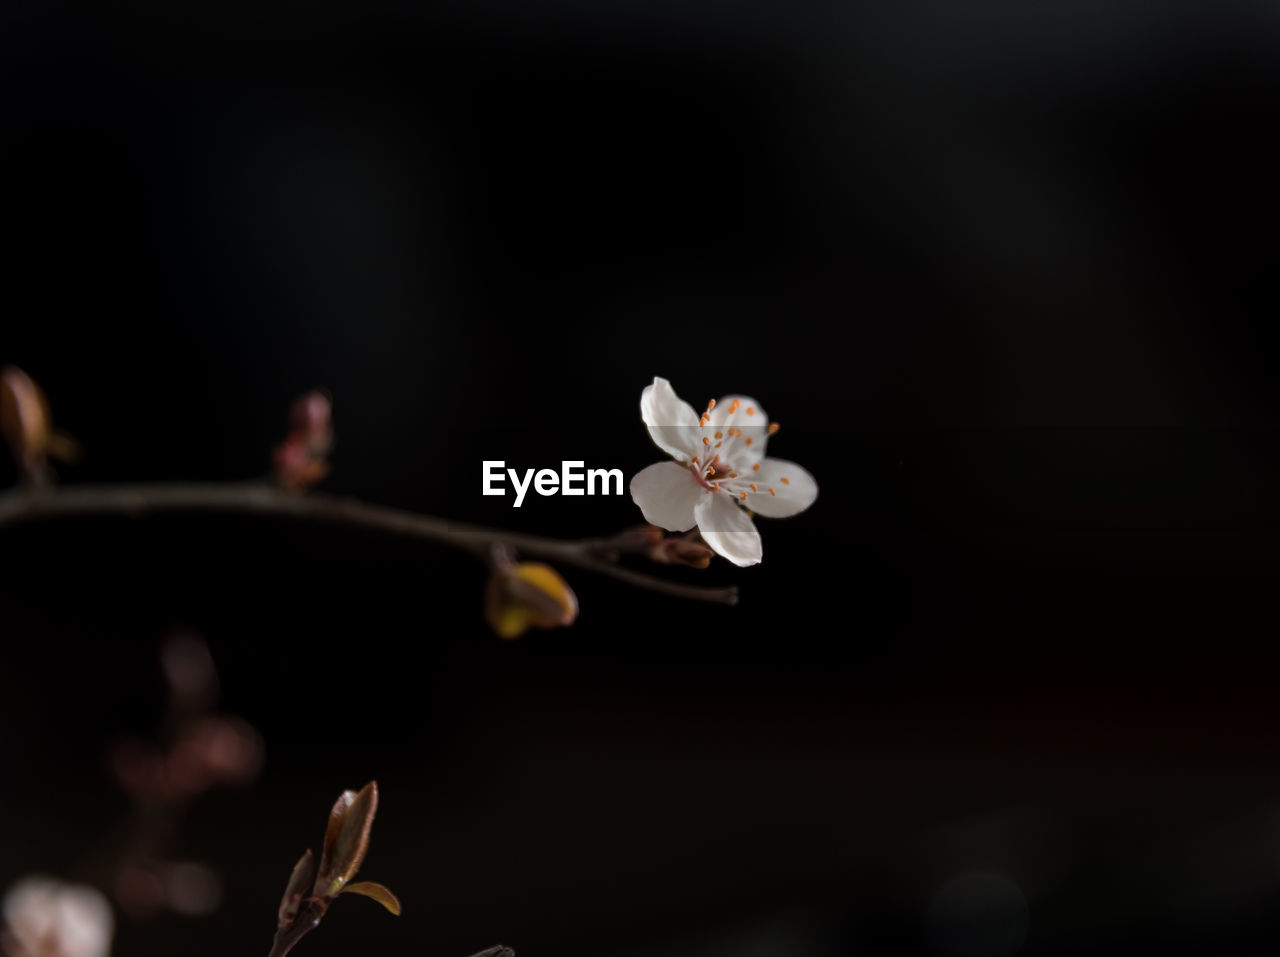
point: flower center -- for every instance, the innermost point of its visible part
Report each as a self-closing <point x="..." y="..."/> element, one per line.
<point x="715" y="474"/>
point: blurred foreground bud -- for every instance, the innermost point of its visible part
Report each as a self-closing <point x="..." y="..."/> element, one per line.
<point x="681" y="550"/>
<point x="211" y="751"/>
<point x="302" y="459"/>
<point x="218" y="750"/>
<point x="190" y="672"/>
<point x="145" y="887"/>
<point x="192" y="889"/>
<point x="27" y="425"/>
<point x="524" y="595"/>
<point x="45" y="917"/>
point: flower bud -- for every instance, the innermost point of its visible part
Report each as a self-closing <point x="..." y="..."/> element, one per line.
<point x="346" y="839"/>
<point x="300" y="882"/>
<point x="301" y="460"/>
<point x="311" y="888"/>
<point x="214" y="750"/>
<point x="681" y="550"/>
<point x="636" y="539"/>
<point x="528" y="595"/>
<point x="190" y="672"/>
<point x="192" y="889"/>
<point x="311" y="420"/>
<point x="27" y="425"/>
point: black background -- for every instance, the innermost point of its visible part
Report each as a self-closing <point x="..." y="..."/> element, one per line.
<point x="1004" y="272"/>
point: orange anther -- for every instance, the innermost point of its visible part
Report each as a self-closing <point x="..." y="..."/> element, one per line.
<point x="705" y="418"/>
<point x="705" y="440"/>
<point x="719" y="435"/>
<point x="733" y="475"/>
<point x="749" y="441"/>
<point x="753" y="487"/>
<point x="751" y="410"/>
<point x="773" y="428"/>
<point x="772" y="492"/>
<point x="733" y="407"/>
<point x="756" y="467"/>
<point x="711" y="404"/>
<point x="742" y="495"/>
<point x="785" y="480"/>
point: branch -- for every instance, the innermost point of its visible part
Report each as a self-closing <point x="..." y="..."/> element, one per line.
<point x="308" y="919"/>
<point x="29" y="505"/>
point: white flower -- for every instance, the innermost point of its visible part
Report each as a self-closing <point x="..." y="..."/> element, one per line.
<point x="719" y="470"/>
<point x="47" y="918"/>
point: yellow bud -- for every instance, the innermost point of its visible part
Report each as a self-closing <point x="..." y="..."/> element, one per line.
<point x="528" y="595"/>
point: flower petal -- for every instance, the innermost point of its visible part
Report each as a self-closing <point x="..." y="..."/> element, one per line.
<point x="744" y="429"/>
<point x="673" y="425"/>
<point x="667" y="494"/>
<point x="794" y="489"/>
<point x="728" y="529"/>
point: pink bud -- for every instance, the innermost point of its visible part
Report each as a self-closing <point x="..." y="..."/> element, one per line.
<point x="300" y="461"/>
<point x="311" y="419"/>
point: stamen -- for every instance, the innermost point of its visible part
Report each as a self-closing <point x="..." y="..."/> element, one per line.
<point x="773" y="428"/>
<point x="733" y="475"/>
<point x="772" y="492"/>
<point x="749" y="441"/>
<point x="711" y="404"/>
<point x="718" y="444"/>
<point x="785" y="480"/>
<point x="751" y="410"/>
<point x="706" y="441"/>
<point x="716" y="486"/>
<point x="742" y="495"/>
<point x="753" y="487"/>
<point x="756" y="467"/>
<point x="705" y="418"/>
<point x="733" y="407"/>
<point x="719" y="435"/>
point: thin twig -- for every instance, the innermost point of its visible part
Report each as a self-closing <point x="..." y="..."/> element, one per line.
<point x="25" y="506"/>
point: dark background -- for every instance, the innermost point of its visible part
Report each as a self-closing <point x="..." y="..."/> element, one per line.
<point x="1003" y="271"/>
